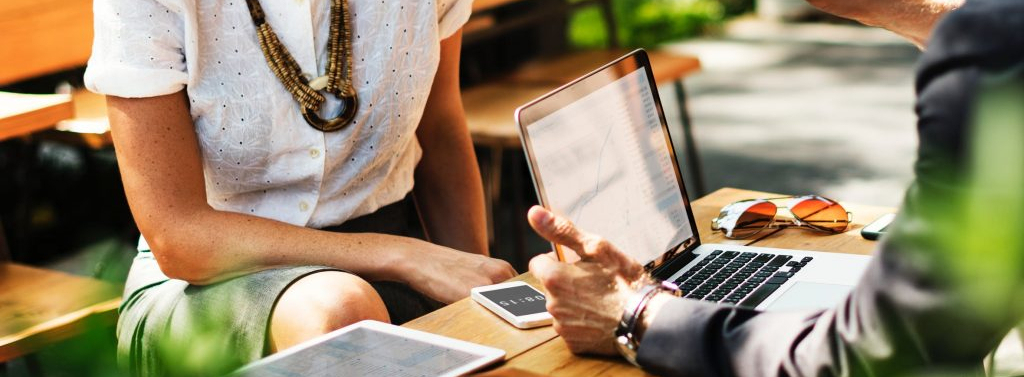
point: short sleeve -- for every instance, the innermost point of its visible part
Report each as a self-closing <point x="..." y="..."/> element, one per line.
<point x="452" y="14"/>
<point x="138" y="49"/>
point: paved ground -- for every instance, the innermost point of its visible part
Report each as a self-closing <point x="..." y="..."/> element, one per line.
<point x="805" y="108"/>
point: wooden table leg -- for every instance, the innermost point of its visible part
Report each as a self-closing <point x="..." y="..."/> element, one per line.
<point x="5" y="255"/>
<point x="518" y="212"/>
<point x="692" y="158"/>
<point x="24" y="165"/>
<point x="492" y="189"/>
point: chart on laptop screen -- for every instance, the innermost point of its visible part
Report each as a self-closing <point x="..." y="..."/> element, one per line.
<point x="605" y="164"/>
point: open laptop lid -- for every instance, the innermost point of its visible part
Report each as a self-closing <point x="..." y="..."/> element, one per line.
<point x="600" y="154"/>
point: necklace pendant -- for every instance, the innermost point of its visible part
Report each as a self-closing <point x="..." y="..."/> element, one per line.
<point x="348" y="113"/>
<point x="319" y="83"/>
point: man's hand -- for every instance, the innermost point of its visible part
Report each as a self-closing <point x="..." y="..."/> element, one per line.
<point x="912" y="19"/>
<point x="585" y="298"/>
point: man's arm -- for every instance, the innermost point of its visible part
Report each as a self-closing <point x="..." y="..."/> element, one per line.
<point x="943" y="289"/>
<point x="912" y="19"/>
<point x="924" y="303"/>
<point x="449" y="191"/>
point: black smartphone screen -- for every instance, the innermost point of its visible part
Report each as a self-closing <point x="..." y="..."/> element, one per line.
<point x="519" y="300"/>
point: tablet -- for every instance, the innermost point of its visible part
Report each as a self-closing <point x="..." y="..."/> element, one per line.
<point x="371" y="348"/>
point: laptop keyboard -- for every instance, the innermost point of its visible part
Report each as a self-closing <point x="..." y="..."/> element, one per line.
<point x="738" y="278"/>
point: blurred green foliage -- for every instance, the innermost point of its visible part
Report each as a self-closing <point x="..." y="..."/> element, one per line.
<point x="736" y="7"/>
<point x="992" y="209"/>
<point x="646" y="23"/>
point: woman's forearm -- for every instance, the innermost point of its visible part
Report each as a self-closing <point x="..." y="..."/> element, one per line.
<point x="161" y="167"/>
<point x="205" y="246"/>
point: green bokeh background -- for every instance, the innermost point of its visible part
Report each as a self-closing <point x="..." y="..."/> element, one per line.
<point x="646" y="23"/>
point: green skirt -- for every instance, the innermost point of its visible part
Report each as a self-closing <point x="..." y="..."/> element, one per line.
<point x="168" y="327"/>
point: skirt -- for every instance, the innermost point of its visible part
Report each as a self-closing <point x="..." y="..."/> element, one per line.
<point x="168" y="327"/>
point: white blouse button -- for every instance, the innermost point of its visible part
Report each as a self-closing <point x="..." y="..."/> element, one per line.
<point x="314" y="153"/>
<point x="303" y="206"/>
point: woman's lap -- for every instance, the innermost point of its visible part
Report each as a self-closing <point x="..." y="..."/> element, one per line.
<point x="206" y="330"/>
<point x="211" y="329"/>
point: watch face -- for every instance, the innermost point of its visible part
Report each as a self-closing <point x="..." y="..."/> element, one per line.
<point x="519" y="300"/>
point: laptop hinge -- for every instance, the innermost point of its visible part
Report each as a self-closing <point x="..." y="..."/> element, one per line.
<point x="672" y="260"/>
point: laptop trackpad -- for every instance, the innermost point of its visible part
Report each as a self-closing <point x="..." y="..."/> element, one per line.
<point x="807" y="295"/>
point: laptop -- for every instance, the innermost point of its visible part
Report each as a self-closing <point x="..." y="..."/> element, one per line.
<point x="600" y="154"/>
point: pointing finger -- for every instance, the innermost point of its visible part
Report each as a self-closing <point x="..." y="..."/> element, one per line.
<point x="555" y="228"/>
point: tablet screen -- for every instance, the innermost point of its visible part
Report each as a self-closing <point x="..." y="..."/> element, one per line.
<point x="366" y="351"/>
<point x="604" y="161"/>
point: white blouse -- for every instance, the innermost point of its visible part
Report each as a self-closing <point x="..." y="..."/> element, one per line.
<point x="259" y="155"/>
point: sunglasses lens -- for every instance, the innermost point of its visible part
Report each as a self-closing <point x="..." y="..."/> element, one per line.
<point x="821" y="213"/>
<point x="754" y="219"/>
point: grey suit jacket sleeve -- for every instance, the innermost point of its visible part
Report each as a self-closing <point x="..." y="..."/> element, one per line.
<point x="917" y="309"/>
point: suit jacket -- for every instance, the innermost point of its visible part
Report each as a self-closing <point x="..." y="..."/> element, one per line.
<point x="940" y="293"/>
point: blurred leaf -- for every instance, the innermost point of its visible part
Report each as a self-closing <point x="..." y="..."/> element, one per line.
<point x="994" y="204"/>
<point x="646" y="23"/>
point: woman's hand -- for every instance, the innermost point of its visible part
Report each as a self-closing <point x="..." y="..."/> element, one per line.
<point x="447" y="275"/>
<point x="585" y="298"/>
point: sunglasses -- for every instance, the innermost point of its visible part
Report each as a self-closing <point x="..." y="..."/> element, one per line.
<point x="746" y="218"/>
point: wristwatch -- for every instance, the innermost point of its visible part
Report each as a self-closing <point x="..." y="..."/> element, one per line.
<point x="625" y="334"/>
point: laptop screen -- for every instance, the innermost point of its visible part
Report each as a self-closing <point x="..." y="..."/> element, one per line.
<point x="601" y="156"/>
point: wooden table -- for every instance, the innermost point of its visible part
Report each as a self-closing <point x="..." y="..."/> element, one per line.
<point x="541" y="351"/>
<point x="39" y="307"/>
<point x="39" y="37"/>
<point x="23" y="114"/>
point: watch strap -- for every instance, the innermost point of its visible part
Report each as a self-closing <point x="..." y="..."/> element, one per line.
<point x="625" y="334"/>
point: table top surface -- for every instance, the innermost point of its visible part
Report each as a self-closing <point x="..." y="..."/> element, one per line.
<point x="490" y="107"/>
<point x="540" y="350"/>
<point x="22" y="114"/>
<point x="39" y="305"/>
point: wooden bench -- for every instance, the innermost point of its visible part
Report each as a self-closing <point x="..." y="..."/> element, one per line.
<point x="39" y="307"/>
<point x="490" y="105"/>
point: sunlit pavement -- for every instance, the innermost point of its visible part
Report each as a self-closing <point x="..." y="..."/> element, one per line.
<point x="804" y="108"/>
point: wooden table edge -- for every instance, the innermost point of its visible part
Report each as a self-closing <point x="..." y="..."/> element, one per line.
<point x="33" y="338"/>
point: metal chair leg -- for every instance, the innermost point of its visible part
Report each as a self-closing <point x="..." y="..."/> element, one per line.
<point x="692" y="158"/>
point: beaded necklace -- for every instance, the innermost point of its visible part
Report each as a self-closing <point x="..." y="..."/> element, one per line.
<point x="337" y="81"/>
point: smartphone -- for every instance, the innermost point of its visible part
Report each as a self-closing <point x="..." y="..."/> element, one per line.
<point x="516" y="302"/>
<point x="877" y="228"/>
